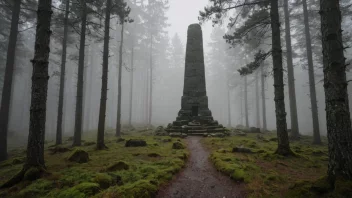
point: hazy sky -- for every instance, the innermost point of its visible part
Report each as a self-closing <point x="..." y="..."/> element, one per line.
<point x="185" y="12"/>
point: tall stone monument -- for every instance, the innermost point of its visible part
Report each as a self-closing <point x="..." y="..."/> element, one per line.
<point x="194" y="114"/>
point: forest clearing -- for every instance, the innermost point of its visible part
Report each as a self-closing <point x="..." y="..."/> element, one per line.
<point x="252" y="98"/>
<point x="145" y="172"/>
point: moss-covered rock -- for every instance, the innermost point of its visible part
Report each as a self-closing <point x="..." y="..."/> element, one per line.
<point x="32" y="174"/>
<point x="37" y="189"/>
<point x="140" y="189"/>
<point x="118" y="166"/>
<point x="79" y="156"/>
<point x="153" y="155"/>
<point x="241" y="150"/>
<point x="135" y="143"/>
<point x="177" y="145"/>
<point x="104" y="180"/>
<point x="88" y="188"/>
<point x="59" y="149"/>
<point x="16" y="161"/>
<point x="117" y="179"/>
<point x="88" y="143"/>
<point x="120" y="140"/>
<point x="238" y="175"/>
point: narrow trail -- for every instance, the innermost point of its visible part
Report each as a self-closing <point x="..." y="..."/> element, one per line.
<point x="199" y="179"/>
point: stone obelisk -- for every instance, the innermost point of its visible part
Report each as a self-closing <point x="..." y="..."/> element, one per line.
<point x="194" y="114"/>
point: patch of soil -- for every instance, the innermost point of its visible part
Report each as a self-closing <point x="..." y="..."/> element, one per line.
<point x="199" y="179"/>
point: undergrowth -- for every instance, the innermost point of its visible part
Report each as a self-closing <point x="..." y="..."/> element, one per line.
<point x="138" y="171"/>
<point x="267" y="174"/>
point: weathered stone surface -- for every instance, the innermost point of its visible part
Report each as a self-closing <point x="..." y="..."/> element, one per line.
<point x="194" y="116"/>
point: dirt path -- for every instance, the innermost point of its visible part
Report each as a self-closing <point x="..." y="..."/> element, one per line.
<point x="200" y="179"/>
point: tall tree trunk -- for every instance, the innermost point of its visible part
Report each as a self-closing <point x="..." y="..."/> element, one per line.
<point x="246" y="101"/>
<point x="89" y="88"/>
<point x="85" y="88"/>
<point x="35" y="147"/>
<point x="313" y="96"/>
<point x="281" y="125"/>
<point x="290" y="75"/>
<point x="79" y="96"/>
<point x="104" y="81"/>
<point x="37" y="116"/>
<point x="151" y="82"/>
<point x="62" y="77"/>
<point x="147" y="97"/>
<point x="263" y="97"/>
<point x="335" y="85"/>
<point x="7" y="86"/>
<point x="118" y="120"/>
<point x="228" y="107"/>
<point x="131" y="84"/>
<point x="241" y="98"/>
<point x="257" y="99"/>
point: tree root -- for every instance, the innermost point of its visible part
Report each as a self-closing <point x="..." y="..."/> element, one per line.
<point x="285" y="152"/>
<point x="20" y="176"/>
<point x="101" y="147"/>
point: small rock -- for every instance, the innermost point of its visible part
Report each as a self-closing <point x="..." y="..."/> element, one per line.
<point x="120" y="140"/>
<point x="153" y="155"/>
<point x="273" y="139"/>
<point x="254" y="130"/>
<point x="58" y="149"/>
<point x="241" y="150"/>
<point x="70" y="139"/>
<point x="88" y="143"/>
<point x="135" y="143"/>
<point x="116" y="179"/>
<point x="118" y="166"/>
<point x="166" y="140"/>
<point x="177" y="145"/>
<point x="79" y="156"/>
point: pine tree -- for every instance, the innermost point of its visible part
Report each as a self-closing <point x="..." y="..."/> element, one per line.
<point x="7" y="86"/>
<point x="335" y="85"/>
<point x="35" y="147"/>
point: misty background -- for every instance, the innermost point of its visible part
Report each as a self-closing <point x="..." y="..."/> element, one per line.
<point x="221" y="62"/>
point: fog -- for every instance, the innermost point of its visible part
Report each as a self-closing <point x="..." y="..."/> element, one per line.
<point x="168" y="74"/>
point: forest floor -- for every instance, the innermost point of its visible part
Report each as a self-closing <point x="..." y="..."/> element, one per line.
<point x="118" y="171"/>
<point x="266" y="174"/>
<point x="143" y="172"/>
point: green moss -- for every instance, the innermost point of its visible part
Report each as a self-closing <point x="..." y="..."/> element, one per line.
<point x="238" y="175"/>
<point x="37" y="189"/>
<point x="71" y="179"/>
<point x="300" y="189"/>
<point x="104" y="180"/>
<point x="117" y="166"/>
<point x="343" y="188"/>
<point x="32" y="174"/>
<point x="66" y="193"/>
<point x="140" y="189"/>
<point x="87" y="188"/>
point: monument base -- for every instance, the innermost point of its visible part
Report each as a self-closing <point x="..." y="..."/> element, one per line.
<point x="195" y="125"/>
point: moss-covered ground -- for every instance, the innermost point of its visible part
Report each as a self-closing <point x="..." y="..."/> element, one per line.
<point x="265" y="173"/>
<point x="115" y="172"/>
